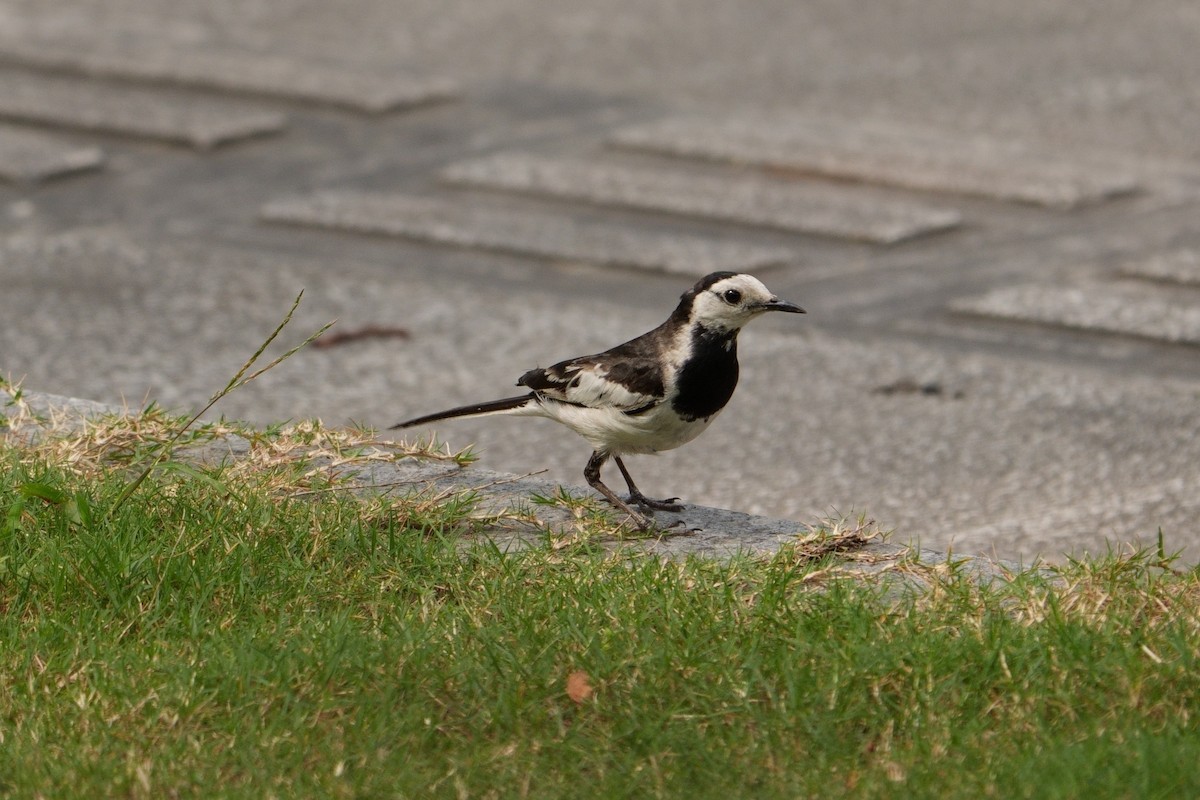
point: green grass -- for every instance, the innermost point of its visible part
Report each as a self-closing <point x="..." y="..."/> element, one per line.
<point x="254" y="631"/>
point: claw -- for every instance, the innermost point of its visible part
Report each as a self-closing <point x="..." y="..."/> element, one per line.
<point x="657" y="505"/>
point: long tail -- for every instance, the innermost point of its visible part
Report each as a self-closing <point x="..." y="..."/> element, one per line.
<point x="477" y="410"/>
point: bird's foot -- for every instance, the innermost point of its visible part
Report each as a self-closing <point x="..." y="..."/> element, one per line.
<point x="669" y="504"/>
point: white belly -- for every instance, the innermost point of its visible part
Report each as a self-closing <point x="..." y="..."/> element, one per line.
<point x="616" y="432"/>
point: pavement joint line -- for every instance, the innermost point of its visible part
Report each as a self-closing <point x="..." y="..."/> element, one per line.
<point x="1178" y="266"/>
<point x="1140" y="311"/>
<point x="545" y="235"/>
<point x="838" y="212"/>
<point x="32" y="157"/>
<point x="889" y="155"/>
<point x="285" y="77"/>
<point x="77" y="104"/>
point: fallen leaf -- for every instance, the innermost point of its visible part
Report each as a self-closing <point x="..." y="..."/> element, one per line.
<point x="579" y="686"/>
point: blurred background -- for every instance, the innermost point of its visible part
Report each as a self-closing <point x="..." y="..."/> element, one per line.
<point x="989" y="211"/>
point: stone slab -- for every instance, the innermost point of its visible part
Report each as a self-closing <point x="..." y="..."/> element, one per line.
<point x="88" y="106"/>
<point x="521" y="523"/>
<point x="1129" y="309"/>
<point x="224" y="69"/>
<point x="526" y="232"/>
<point x="26" y="156"/>
<point x="890" y="155"/>
<point x="1173" y="266"/>
<point x="787" y="205"/>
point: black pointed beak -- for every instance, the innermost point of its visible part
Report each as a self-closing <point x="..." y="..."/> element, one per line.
<point x="775" y="304"/>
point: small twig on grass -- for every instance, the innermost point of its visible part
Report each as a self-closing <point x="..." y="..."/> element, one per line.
<point x="836" y="538"/>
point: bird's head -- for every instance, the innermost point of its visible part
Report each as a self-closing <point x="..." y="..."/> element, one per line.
<point x="728" y="300"/>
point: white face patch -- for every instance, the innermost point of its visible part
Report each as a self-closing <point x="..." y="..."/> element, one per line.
<point x="730" y="302"/>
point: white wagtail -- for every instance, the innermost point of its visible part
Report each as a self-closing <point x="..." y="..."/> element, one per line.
<point x="655" y="392"/>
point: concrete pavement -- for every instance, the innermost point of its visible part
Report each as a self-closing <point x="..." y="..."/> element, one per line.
<point x="998" y="204"/>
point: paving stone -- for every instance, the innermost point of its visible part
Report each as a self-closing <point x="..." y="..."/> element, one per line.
<point x="29" y="156"/>
<point x="234" y="71"/>
<point x="1144" y="311"/>
<point x="707" y="532"/>
<point x="90" y="106"/>
<point x="1040" y="425"/>
<point x="791" y="206"/>
<point x="887" y="155"/>
<point x="1072" y="527"/>
<point x="1174" y="266"/>
<point x="526" y="232"/>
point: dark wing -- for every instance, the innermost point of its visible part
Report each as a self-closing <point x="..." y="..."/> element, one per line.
<point x="628" y="377"/>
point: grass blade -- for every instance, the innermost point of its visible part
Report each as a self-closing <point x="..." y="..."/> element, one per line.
<point x="238" y="380"/>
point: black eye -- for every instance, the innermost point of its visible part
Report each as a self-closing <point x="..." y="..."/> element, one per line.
<point x="732" y="296"/>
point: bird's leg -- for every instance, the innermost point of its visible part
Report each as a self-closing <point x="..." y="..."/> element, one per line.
<point x="592" y="474"/>
<point x="640" y="499"/>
